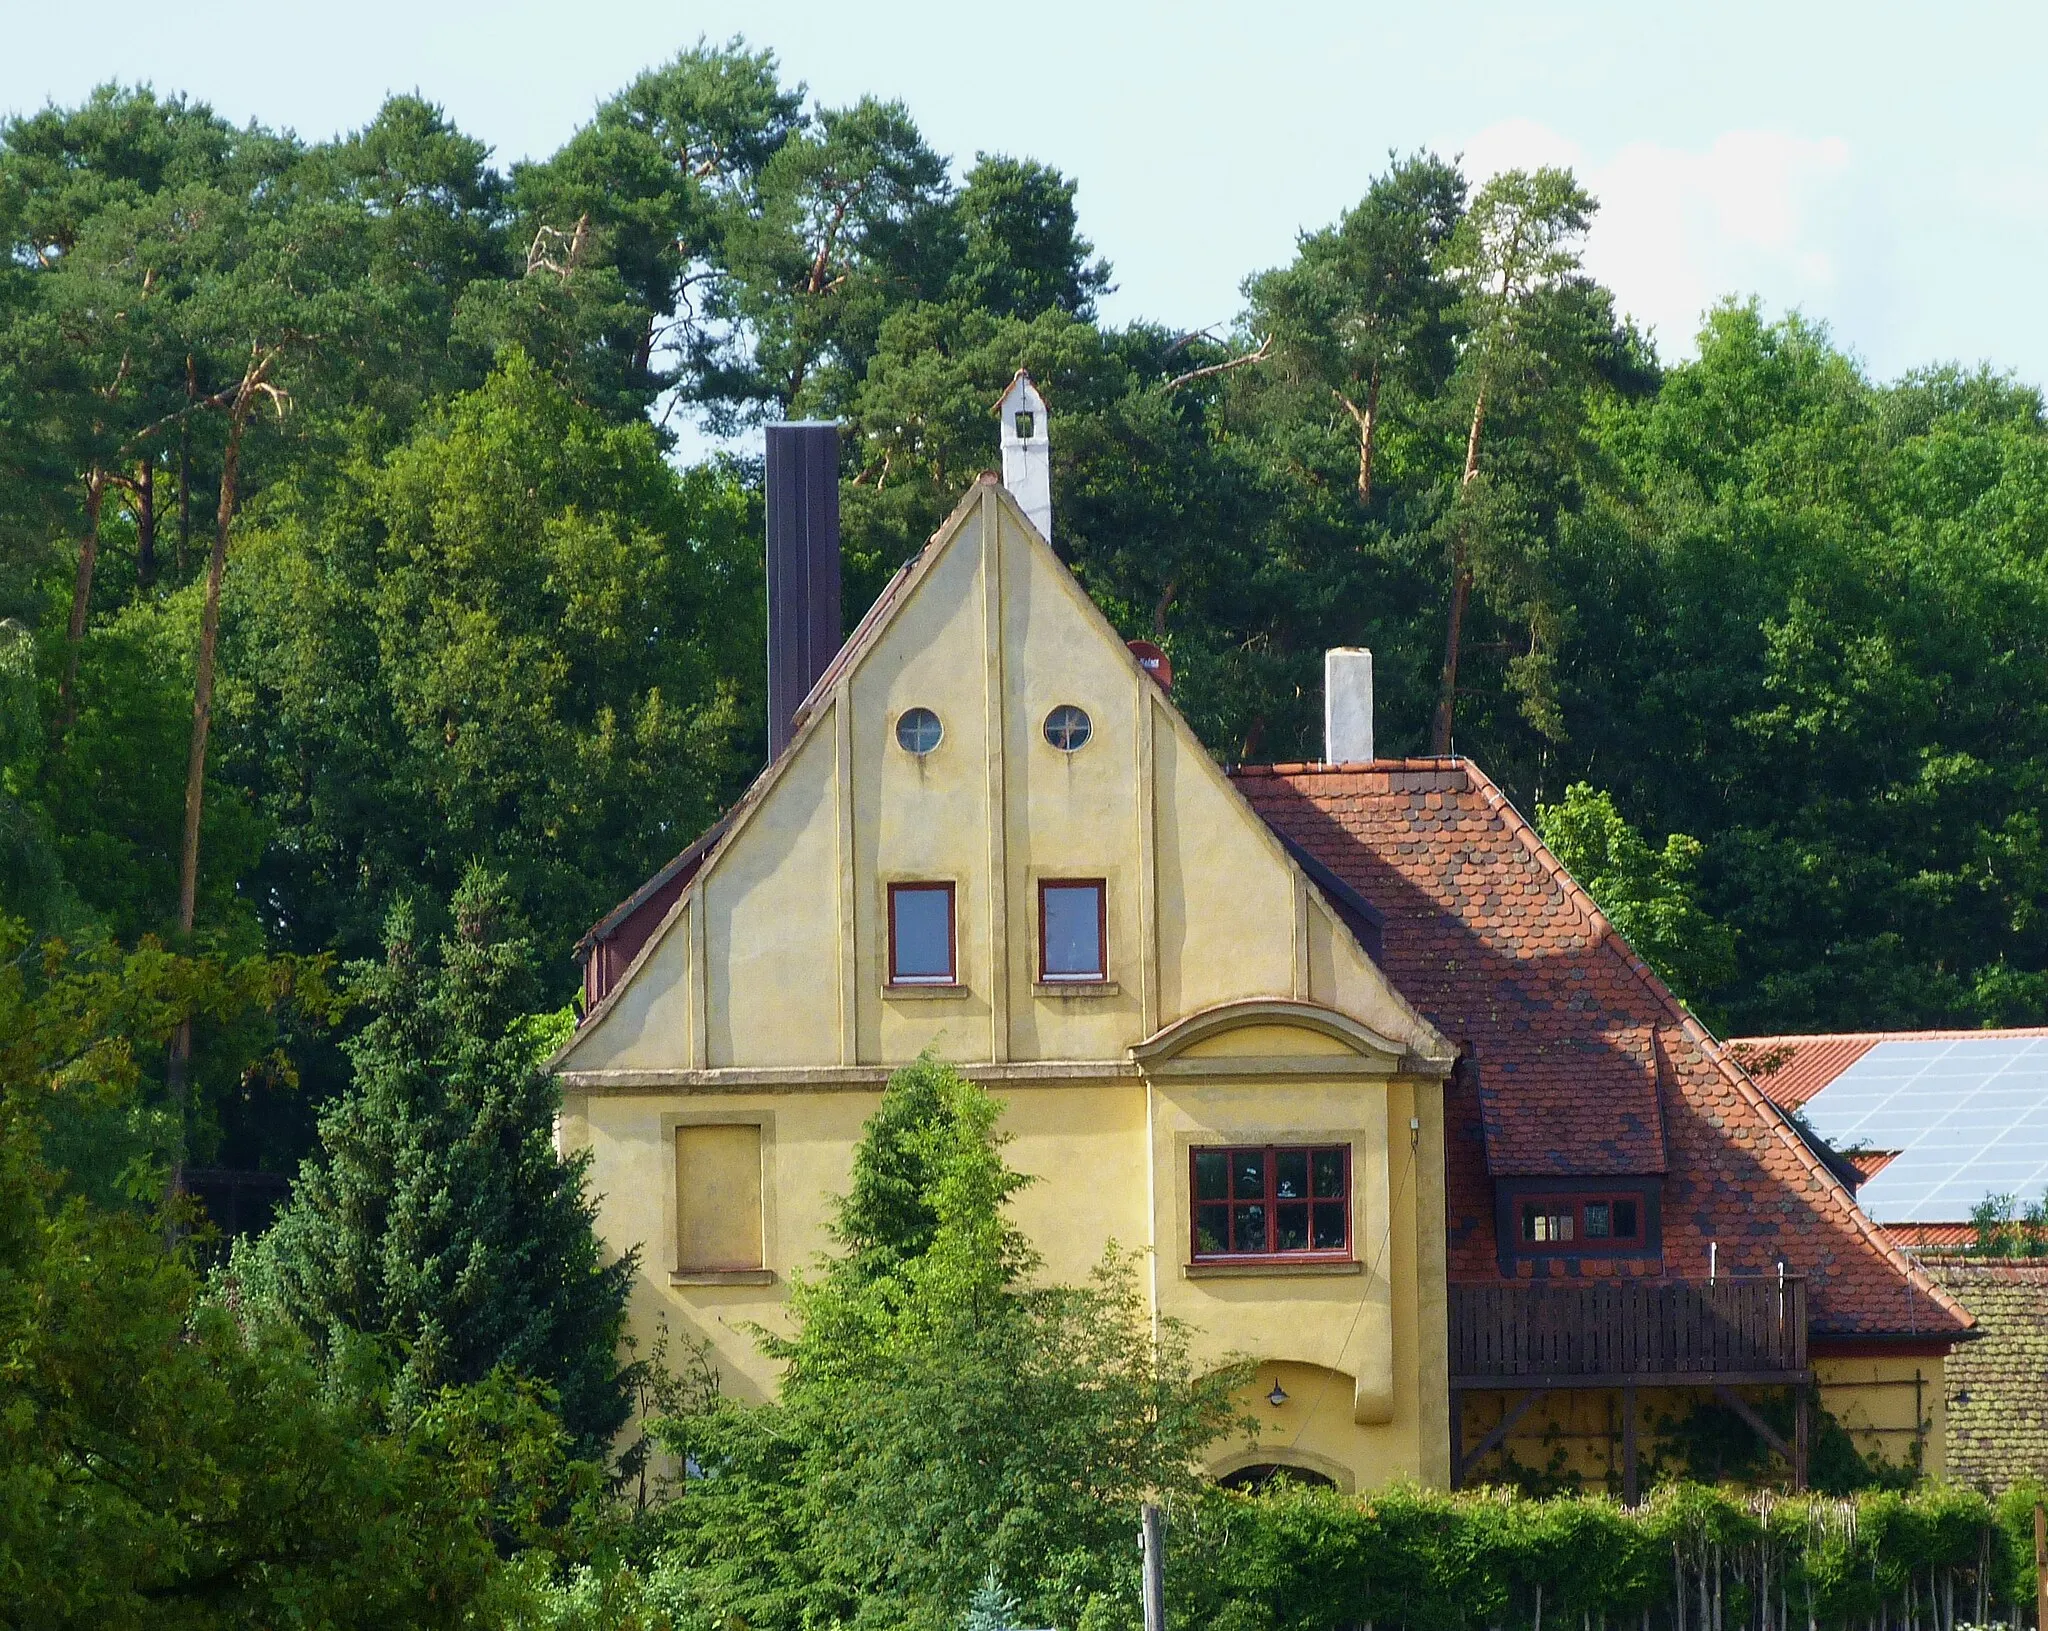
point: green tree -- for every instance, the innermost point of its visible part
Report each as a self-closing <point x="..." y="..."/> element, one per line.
<point x="438" y="1215"/>
<point x="1651" y="896"/>
<point x="1365" y="304"/>
<point x="164" y="1462"/>
<point x="649" y="191"/>
<point x="1538" y="333"/>
<point x="521" y="636"/>
<point x="940" y="1416"/>
<point x="1021" y="246"/>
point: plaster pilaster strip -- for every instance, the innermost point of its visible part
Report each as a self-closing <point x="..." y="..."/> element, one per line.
<point x="1148" y="882"/>
<point x="998" y="786"/>
<point x="700" y="978"/>
<point x="849" y="998"/>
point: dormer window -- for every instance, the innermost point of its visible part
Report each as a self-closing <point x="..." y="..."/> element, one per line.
<point x="1581" y="1222"/>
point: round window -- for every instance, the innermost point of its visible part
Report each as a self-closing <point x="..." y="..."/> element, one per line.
<point x="1068" y="727"/>
<point x="918" y="731"/>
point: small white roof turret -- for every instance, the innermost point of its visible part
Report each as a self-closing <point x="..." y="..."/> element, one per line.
<point x="1027" y="452"/>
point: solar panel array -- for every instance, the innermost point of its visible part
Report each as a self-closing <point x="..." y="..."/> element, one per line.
<point x="1969" y="1116"/>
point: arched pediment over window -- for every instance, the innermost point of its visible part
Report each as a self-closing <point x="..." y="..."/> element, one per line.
<point x="1277" y="1036"/>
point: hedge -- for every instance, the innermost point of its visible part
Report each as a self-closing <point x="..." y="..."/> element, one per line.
<point x="1690" y="1558"/>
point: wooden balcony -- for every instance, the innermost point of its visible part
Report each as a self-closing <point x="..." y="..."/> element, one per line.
<point x="1530" y="1337"/>
<point x="1612" y="1333"/>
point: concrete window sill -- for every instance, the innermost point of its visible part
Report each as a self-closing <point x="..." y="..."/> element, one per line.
<point x="916" y="992"/>
<point x="1246" y="1271"/>
<point x="722" y="1277"/>
<point x="1075" y="988"/>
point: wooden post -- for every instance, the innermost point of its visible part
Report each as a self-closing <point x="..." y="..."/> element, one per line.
<point x="1457" y="1437"/>
<point x="1155" y="1568"/>
<point x="1801" y="1431"/>
<point x="2040" y="1564"/>
<point x="1631" y="1490"/>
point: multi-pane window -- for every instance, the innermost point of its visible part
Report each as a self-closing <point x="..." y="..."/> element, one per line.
<point x="1584" y="1220"/>
<point x="1072" y="917"/>
<point x="921" y="940"/>
<point x="1272" y="1201"/>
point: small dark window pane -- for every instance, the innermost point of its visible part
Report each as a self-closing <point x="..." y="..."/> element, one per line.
<point x="1330" y="1227"/>
<point x="1329" y="1172"/>
<point x="1290" y="1175"/>
<point x="1068" y="728"/>
<point x="1073" y="931"/>
<point x="1251" y="1229"/>
<point x="922" y="934"/>
<point x="1249" y="1183"/>
<point x="1290" y="1227"/>
<point x="1528" y="1223"/>
<point x="1597" y="1220"/>
<point x="1624" y="1220"/>
<point x="918" y="731"/>
<point x="1212" y="1230"/>
<point x="1212" y="1175"/>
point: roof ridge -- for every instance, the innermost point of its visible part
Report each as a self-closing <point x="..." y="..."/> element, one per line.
<point x="1959" y="1034"/>
<point x="1714" y="1049"/>
<point x="1345" y="767"/>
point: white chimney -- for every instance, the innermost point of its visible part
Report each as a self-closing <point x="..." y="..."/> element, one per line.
<point x="1027" y="452"/>
<point x="1347" y="705"/>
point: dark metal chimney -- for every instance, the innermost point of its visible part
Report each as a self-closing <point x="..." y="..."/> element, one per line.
<point x="803" y="566"/>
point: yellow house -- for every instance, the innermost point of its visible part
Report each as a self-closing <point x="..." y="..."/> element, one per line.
<point x="1376" y="1089"/>
<point x="993" y="836"/>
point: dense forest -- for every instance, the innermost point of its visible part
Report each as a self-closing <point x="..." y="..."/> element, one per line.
<point x="347" y="542"/>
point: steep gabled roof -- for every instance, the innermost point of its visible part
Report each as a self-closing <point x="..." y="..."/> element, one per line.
<point x="617" y="946"/>
<point x="1580" y="1063"/>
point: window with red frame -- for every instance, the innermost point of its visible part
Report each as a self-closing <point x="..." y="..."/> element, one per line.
<point x="1272" y="1201"/>
<point x="1581" y="1222"/>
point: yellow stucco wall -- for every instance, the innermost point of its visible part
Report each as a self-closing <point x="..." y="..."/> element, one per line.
<point x="764" y="999"/>
<point x="1891" y="1407"/>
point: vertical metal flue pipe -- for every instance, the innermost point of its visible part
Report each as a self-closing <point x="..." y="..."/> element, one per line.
<point x="803" y="566"/>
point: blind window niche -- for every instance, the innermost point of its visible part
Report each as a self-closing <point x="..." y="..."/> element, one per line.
<point x="1072" y="918"/>
<point x="718" y="1197"/>
<point x="921" y="939"/>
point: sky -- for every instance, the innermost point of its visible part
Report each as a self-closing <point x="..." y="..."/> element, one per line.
<point x="1883" y="170"/>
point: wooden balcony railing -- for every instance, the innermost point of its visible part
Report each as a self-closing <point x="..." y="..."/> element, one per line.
<point x="1589" y="1333"/>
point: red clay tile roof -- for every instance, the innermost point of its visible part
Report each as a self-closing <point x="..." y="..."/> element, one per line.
<point x="1932" y="1237"/>
<point x="1868" y="1163"/>
<point x="1792" y="1069"/>
<point x="1580" y="1061"/>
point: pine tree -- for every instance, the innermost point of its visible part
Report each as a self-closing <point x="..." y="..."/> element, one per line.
<point x="438" y="1215"/>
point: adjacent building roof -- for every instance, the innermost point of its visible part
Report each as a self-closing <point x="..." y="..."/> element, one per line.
<point x="1967" y="1111"/>
<point x="1578" y="1062"/>
<point x="1998" y="1386"/>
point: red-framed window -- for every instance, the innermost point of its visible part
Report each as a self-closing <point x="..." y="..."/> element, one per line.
<point x="1275" y="1200"/>
<point x="1073" y="930"/>
<point x="923" y="948"/>
<point x="1568" y="1223"/>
